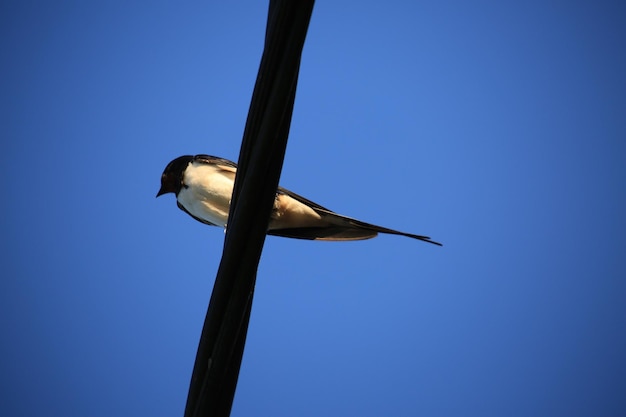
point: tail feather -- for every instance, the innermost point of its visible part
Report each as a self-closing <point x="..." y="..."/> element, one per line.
<point x="354" y="223"/>
<point x="339" y="227"/>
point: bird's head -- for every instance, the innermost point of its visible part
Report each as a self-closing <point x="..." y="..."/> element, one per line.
<point x="172" y="177"/>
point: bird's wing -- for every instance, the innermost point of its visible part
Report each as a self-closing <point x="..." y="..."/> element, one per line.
<point x="229" y="168"/>
<point x="214" y="160"/>
<point x="338" y="227"/>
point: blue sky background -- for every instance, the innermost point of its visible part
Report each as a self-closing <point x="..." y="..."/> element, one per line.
<point x="497" y="128"/>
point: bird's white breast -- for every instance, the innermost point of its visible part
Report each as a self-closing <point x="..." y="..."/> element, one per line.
<point x="207" y="192"/>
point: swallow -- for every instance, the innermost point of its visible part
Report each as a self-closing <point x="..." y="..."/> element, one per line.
<point x="203" y="186"/>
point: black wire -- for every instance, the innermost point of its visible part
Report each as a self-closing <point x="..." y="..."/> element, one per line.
<point x="221" y="345"/>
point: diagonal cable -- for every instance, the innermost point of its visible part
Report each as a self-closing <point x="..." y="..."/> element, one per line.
<point x="221" y="345"/>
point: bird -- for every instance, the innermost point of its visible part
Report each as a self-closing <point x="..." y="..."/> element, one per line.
<point x="203" y="185"/>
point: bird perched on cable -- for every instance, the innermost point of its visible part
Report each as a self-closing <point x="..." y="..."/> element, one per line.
<point x="203" y="185"/>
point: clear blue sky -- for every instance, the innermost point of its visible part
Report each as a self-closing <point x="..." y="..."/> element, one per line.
<point x="497" y="128"/>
